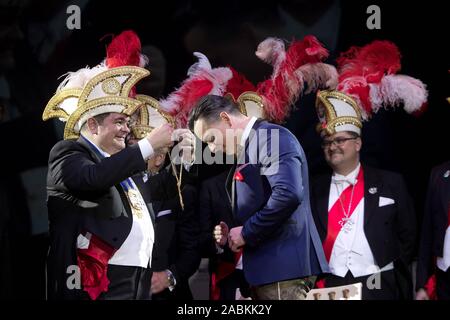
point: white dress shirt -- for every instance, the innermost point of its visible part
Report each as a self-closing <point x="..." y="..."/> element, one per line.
<point x="244" y="137"/>
<point x="351" y="250"/>
<point x="247" y="130"/>
<point x="137" y="248"/>
<point x="444" y="262"/>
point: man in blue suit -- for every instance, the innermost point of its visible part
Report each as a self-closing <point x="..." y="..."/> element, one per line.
<point x="282" y="252"/>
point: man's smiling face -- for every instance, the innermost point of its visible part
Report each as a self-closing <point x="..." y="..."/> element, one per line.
<point x="111" y="133"/>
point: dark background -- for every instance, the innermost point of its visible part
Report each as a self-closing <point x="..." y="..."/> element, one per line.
<point x="36" y="48"/>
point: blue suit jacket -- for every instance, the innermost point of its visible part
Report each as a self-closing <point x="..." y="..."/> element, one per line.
<point x="272" y="203"/>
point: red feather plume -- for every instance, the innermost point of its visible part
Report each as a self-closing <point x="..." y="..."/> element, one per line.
<point x="282" y="90"/>
<point x="368" y="74"/>
<point x="124" y="50"/>
<point x="238" y="84"/>
<point x="372" y="61"/>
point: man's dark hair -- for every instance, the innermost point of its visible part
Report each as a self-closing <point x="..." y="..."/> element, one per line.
<point x="209" y="108"/>
<point x="99" y="118"/>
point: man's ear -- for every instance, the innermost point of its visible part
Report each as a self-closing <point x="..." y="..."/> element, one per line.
<point x="225" y="117"/>
<point x="92" y="125"/>
<point x="159" y="159"/>
<point x="358" y="144"/>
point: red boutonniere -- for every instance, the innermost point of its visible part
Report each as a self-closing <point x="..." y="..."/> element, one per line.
<point x="238" y="176"/>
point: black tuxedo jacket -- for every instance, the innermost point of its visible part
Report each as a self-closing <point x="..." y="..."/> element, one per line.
<point x="390" y="230"/>
<point x="84" y="195"/>
<point x="176" y="233"/>
<point x="435" y="222"/>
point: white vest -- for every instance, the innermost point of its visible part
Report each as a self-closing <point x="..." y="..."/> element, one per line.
<point x="351" y="250"/>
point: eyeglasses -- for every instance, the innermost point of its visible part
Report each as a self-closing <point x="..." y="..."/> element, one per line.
<point x="339" y="142"/>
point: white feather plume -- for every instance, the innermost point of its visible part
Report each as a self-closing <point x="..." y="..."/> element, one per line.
<point x="78" y="79"/>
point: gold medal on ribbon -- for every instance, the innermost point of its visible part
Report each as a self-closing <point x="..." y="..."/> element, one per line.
<point x="136" y="203"/>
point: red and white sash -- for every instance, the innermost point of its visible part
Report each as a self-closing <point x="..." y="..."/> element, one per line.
<point x="336" y="213"/>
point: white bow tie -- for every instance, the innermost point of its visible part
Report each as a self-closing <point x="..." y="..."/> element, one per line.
<point x="341" y="180"/>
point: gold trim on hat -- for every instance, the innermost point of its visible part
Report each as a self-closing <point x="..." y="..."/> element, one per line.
<point x="141" y="129"/>
<point x="152" y="103"/>
<point x="332" y="120"/>
<point x="111" y="86"/>
<point x="114" y="91"/>
<point x="134" y="74"/>
<point x="129" y="107"/>
<point x="53" y="110"/>
<point x="247" y="96"/>
<point x="344" y="120"/>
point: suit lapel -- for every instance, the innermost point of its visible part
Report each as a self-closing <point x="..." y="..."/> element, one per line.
<point x="322" y="198"/>
<point x="95" y="155"/>
<point x="221" y="187"/>
<point x="229" y="183"/>
<point x="372" y="189"/>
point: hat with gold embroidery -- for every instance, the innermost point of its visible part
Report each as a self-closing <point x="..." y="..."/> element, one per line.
<point x="107" y="87"/>
<point x="367" y="82"/>
<point x="149" y="117"/>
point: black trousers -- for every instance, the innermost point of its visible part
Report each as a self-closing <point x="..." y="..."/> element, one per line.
<point x="443" y="284"/>
<point x="128" y="283"/>
<point x="231" y="283"/>
<point x="387" y="289"/>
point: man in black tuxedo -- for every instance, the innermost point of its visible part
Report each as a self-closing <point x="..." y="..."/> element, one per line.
<point x="364" y="215"/>
<point x="435" y="237"/>
<point x="98" y="225"/>
<point x="101" y="231"/>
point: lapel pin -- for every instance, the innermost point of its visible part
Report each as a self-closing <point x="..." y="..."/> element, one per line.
<point x="446" y="174"/>
<point x="373" y="190"/>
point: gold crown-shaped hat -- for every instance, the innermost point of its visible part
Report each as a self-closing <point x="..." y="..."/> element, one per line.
<point x="249" y="103"/>
<point x="108" y="91"/>
<point x="337" y="112"/>
<point x="107" y="87"/>
<point x="149" y="117"/>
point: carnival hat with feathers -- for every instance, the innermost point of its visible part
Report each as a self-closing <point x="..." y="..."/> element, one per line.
<point x="367" y="83"/>
<point x="271" y="99"/>
<point x="107" y="87"/>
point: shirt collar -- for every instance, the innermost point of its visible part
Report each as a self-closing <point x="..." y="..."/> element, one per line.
<point x="247" y="129"/>
<point x="103" y="153"/>
<point x="350" y="178"/>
